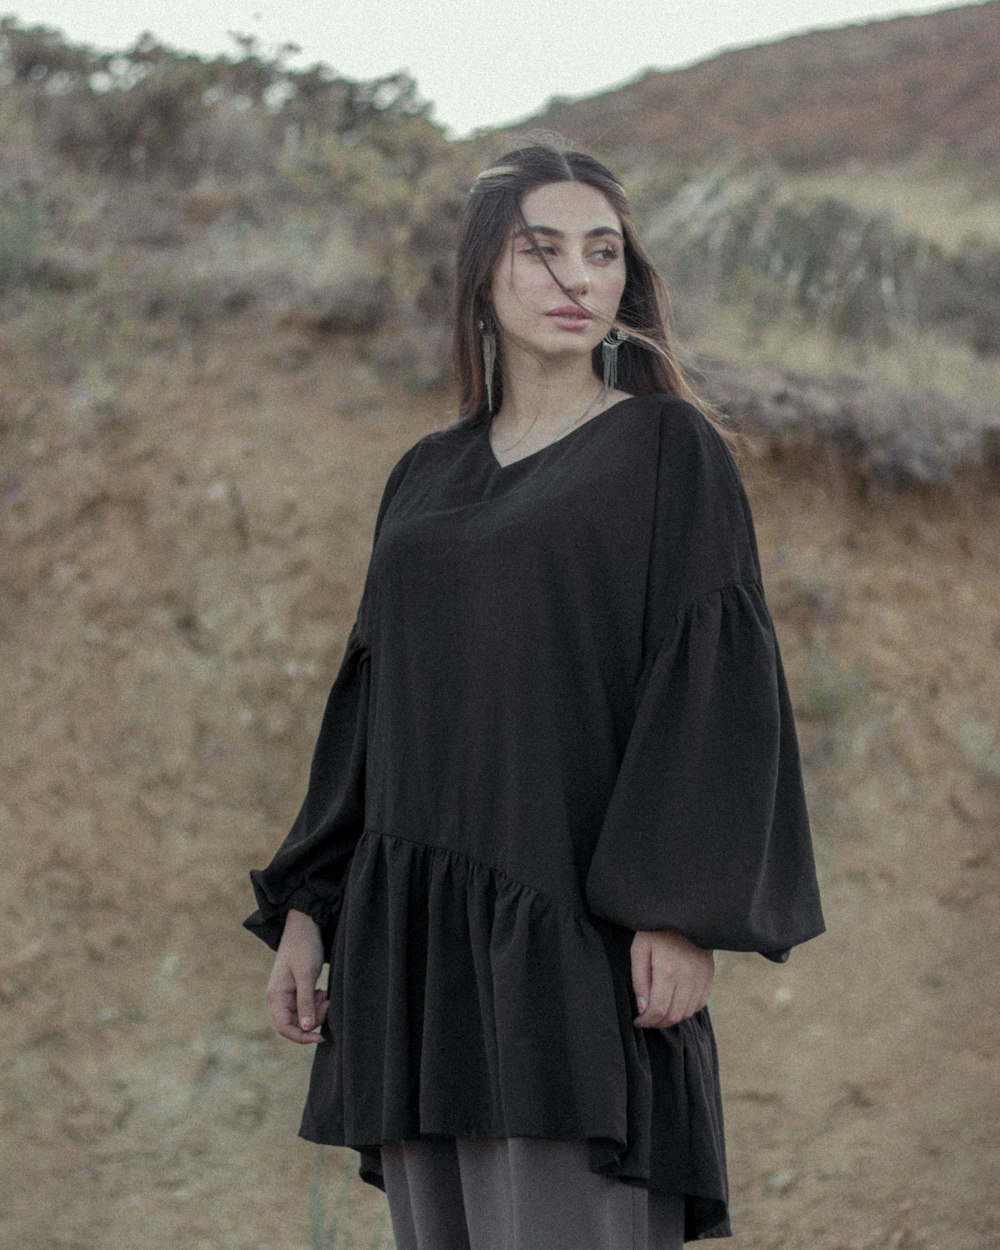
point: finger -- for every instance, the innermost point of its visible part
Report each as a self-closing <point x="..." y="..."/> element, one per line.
<point x="703" y="988"/>
<point x="680" y="1005"/>
<point x="699" y="984"/>
<point x="305" y="1000"/>
<point x="666" y="979"/>
<point x="660" y="998"/>
<point x="642" y="972"/>
<point x="322" y="1006"/>
<point x="284" y="1013"/>
<point x="295" y="1034"/>
<point x="282" y="1004"/>
<point x="701" y="999"/>
<point x="709" y="978"/>
<point x="668" y="1011"/>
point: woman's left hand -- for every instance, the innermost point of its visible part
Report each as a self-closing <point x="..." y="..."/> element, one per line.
<point x="671" y="977"/>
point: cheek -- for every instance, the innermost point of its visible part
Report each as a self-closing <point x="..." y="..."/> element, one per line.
<point x="520" y="286"/>
<point x="615" y="290"/>
<point x="503" y="297"/>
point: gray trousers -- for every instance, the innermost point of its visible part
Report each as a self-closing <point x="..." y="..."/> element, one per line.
<point x="519" y="1193"/>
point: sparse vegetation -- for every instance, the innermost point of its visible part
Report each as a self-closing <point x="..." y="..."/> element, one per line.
<point x="21" y="231"/>
<point x="154" y="192"/>
<point x="212" y="353"/>
<point x="326" y="1212"/>
<point x="755" y="242"/>
<point x="150" y="110"/>
<point x="829" y="689"/>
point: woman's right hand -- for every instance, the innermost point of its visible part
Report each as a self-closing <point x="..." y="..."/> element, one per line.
<point x="298" y="1007"/>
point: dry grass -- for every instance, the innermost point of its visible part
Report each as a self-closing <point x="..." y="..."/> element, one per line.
<point x="915" y="361"/>
<point x="328" y="237"/>
<point x="338" y="1218"/>
<point x="752" y="238"/>
<point x="950" y="211"/>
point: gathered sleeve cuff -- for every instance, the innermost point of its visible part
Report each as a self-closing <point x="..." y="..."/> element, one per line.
<point x="307" y="871"/>
<point x="707" y="832"/>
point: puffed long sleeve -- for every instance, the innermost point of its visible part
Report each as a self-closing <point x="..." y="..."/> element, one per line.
<point x="706" y="832"/>
<point x="308" y="869"/>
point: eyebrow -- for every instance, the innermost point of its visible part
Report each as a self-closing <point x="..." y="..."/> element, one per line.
<point x="552" y="232"/>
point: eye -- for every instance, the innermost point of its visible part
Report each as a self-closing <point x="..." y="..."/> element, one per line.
<point x="606" y="253"/>
<point x="539" y="249"/>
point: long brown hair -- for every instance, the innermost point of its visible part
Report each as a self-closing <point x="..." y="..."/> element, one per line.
<point x="647" y="362"/>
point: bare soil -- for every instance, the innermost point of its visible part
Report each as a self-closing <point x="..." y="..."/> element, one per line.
<point x="184" y="545"/>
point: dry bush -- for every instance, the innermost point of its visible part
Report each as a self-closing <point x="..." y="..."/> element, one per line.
<point x="352" y="308"/>
<point x="152" y="111"/>
<point x="21" y="233"/>
<point x="880" y="437"/>
<point x="749" y="238"/>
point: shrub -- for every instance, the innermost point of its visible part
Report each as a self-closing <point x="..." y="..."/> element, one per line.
<point x="857" y="274"/>
<point x="21" y="229"/>
<point x="153" y="110"/>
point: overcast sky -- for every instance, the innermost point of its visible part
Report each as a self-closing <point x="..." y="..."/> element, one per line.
<point x="480" y="63"/>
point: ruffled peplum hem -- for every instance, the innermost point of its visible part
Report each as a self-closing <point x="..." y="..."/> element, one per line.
<point x="465" y="1003"/>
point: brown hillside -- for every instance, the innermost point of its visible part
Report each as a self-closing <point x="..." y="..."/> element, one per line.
<point x="925" y="86"/>
<point x="185" y="537"/>
<point x="210" y="358"/>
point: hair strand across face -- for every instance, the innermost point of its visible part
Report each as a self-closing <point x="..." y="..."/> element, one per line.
<point x="646" y="362"/>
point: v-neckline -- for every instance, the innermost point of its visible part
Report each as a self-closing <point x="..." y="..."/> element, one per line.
<point x="502" y="468"/>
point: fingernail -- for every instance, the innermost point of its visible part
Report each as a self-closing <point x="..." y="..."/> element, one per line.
<point x="642" y="1004"/>
<point x="307" y="1023"/>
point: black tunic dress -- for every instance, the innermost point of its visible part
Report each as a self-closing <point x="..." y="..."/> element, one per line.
<point x="560" y="717"/>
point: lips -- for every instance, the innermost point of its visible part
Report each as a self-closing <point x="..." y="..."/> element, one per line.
<point x="570" y="312"/>
<point x="570" y="318"/>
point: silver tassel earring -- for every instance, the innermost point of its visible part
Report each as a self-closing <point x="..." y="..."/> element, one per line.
<point x="610" y="347"/>
<point x="489" y="344"/>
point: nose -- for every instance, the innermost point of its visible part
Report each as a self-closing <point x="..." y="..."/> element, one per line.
<point x="575" y="276"/>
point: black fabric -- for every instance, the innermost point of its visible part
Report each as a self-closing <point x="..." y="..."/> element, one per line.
<point x="560" y="717"/>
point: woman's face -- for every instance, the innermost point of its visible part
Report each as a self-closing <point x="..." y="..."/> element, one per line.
<point x="577" y="231"/>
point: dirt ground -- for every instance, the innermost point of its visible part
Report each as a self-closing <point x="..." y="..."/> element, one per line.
<point x="184" y="545"/>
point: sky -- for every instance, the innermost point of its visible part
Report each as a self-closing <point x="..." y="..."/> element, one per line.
<point x="481" y="64"/>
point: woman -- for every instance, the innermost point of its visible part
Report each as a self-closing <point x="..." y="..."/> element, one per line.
<point x="557" y="769"/>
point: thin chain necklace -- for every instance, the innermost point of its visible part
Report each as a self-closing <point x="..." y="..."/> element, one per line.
<point x="576" y="421"/>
